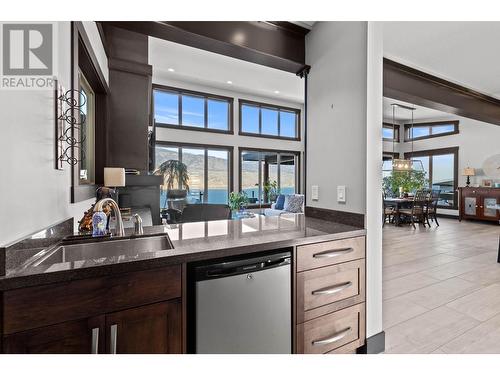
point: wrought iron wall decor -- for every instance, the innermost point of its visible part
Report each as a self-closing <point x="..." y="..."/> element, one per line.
<point x="70" y="124"/>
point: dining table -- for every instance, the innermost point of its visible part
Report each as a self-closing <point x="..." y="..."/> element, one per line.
<point x="397" y="203"/>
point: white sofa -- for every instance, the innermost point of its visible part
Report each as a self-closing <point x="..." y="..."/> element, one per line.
<point x="274" y="212"/>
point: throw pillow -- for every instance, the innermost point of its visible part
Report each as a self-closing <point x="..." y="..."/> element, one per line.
<point x="280" y="202"/>
<point x="294" y="203"/>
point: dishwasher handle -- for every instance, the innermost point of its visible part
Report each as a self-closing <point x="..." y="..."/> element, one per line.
<point x="228" y="269"/>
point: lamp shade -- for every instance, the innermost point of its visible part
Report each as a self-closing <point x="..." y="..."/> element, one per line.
<point x="114" y="177"/>
<point x="469" y="172"/>
<point x="402" y="165"/>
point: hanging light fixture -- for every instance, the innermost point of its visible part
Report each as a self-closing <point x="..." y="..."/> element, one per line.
<point x="404" y="165"/>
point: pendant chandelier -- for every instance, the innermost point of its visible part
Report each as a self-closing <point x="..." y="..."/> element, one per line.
<point x="404" y="165"/>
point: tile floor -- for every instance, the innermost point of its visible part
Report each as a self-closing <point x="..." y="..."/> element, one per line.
<point x="442" y="288"/>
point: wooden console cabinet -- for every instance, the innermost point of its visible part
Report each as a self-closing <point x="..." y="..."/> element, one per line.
<point x="474" y="202"/>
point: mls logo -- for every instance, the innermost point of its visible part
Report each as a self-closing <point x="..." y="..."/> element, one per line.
<point x="27" y="49"/>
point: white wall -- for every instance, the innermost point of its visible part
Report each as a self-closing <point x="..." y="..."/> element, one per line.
<point x="476" y="141"/>
<point x="197" y="137"/>
<point x="344" y="133"/>
<point x="33" y="195"/>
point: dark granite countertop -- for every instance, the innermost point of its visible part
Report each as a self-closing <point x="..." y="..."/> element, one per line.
<point x="192" y="242"/>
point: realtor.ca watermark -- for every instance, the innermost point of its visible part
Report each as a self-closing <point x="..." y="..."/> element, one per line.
<point x="27" y="56"/>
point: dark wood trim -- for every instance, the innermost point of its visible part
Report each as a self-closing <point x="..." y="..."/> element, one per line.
<point x="396" y="134"/>
<point x="130" y="66"/>
<point x="343" y="217"/>
<point x="206" y="96"/>
<point x="404" y="83"/>
<point x="84" y="59"/>
<point x="277" y="107"/>
<point x="390" y="155"/>
<point x="374" y="344"/>
<point x="441" y="151"/>
<point x="407" y="128"/>
<point x="230" y="149"/>
<point x="266" y="43"/>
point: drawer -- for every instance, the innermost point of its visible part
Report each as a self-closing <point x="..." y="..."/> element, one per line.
<point x="332" y="331"/>
<point x="331" y="252"/>
<point x="324" y="290"/>
<point x="41" y="306"/>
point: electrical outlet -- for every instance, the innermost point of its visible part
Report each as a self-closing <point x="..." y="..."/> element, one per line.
<point x="315" y="192"/>
<point x="341" y="194"/>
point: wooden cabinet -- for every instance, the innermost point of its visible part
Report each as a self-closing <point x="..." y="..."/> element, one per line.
<point x="84" y="336"/>
<point x="330" y="296"/>
<point x="135" y="312"/>
<point x="152" y="329"/>
<point x="474" y="203"/>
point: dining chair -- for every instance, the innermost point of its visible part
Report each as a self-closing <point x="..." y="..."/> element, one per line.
<point x="388" y="212"/>
<point x="432" y="206"/>
<point x="416" y="209"/>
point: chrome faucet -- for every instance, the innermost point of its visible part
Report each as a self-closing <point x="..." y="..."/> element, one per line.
<point x="120" y="230"/>
<point x="138" y="230"/>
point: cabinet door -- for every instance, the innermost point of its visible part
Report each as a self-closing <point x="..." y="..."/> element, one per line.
<point x="150" y="329"/>
<point x="84" y="336"/>
<point x="488" y="205"/>
<point x="471" y="205"/>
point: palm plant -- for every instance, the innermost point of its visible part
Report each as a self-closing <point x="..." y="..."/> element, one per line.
<point x="173" y="171"/>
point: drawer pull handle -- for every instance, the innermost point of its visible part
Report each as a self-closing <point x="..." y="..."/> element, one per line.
<point x="95" y="341"/>
<point x="333" y="253"/>
<point x="336" y="337"/>
<point x="332" y="289"/>
<point x="112" y="344"/>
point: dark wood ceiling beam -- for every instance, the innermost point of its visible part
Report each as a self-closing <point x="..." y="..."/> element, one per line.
<point x="279" y="45"/>
<point x="414" y="86"/>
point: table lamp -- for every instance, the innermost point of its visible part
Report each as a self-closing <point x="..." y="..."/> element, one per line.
<point x="114" y="178"/>
<point x="469" y="172"/>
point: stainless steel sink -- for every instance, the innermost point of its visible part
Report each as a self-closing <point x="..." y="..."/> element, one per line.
<point x="131" y="246"/>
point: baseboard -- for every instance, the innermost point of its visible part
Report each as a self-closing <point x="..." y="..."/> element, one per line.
<point x="374" y="344"/>
<point x="447" y="216"/>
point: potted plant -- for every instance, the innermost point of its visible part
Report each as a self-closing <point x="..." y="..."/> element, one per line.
<point x="408" y="181"/>
<point x="237" y="201"/>
<point x="174" y="172"/>
<point x="271" y="190"/>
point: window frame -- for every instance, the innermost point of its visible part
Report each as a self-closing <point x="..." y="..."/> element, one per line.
<point x="441" y="151"/>
<point x="430" y="125"/>
<point x="396" y="135"/>
<point x="298" y="187"/>
<point x="279" y="108"/>
<point x="205" y="147"/>
<point x="206" y="96"/>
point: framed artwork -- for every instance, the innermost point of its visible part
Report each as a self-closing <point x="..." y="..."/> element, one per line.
<point x="487" y="183"/>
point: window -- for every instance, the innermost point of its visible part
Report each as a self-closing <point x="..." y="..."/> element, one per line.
<point x="389" y="133"/>
<point x="260" y="166"/>
<point x="441" y="169"/>
<point x="266" y="120"/>
<point x="430" y="130"/>
<point x="209" y="170"/>
<point x="178" y="108"/>
<point x="87" y="131"/>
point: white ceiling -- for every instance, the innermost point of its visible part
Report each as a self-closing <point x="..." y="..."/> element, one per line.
<point x="420" y="113"/>
<point x="211" y="69"/>
<point x="466" y="53"/>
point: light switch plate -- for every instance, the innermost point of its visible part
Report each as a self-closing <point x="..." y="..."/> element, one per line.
<point x="341" y="194"/>
<point x="315" y="192"/>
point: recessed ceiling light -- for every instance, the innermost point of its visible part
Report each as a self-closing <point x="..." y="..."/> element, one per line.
<point x="276" y="92"/>
<point x="171" y="69"/>
<point x="230" y="82"/>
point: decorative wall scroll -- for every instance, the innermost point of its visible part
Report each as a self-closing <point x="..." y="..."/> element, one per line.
<point x="70" y="118"/>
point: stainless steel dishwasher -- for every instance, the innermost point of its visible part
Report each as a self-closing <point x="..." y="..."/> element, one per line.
<point x="244" y="306"/>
